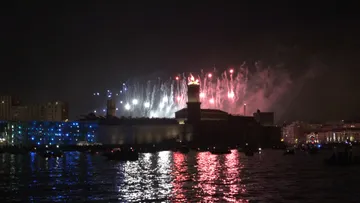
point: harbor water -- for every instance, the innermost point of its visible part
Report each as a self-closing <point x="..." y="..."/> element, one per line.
<point x="174" y="177"/>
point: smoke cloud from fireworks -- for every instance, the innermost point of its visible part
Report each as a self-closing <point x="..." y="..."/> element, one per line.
<point x="255" y="86"/>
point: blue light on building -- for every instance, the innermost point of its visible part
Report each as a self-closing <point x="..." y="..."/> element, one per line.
<point x="59" y="133"/>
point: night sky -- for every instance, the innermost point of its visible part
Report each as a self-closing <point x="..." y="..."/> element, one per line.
<point x="68" y="51"/>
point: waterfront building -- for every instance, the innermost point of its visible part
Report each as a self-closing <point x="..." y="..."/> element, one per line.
<point x="48" y="133"/>
<point x="334" y="132"/>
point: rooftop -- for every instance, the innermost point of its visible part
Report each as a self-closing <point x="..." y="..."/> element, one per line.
<point x="184" y="110"/>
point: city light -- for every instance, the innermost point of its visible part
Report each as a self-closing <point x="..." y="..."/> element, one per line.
<point x="127" y="106"/>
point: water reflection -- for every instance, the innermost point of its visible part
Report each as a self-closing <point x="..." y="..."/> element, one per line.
<point x="149" y="178"/>
<point x="164" y="179"/>
<point x="167" y="176"/>
<point x="232" y="178"/>
<point x="180" y="176"/>
<point x="208" y="174"/>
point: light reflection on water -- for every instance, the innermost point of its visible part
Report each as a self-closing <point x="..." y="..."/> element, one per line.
<point x="175" y="177"/>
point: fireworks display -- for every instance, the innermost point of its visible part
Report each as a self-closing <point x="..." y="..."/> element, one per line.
<point x="231" y="90"/>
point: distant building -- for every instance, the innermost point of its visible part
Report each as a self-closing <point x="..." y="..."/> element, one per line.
<point x="302" y="132"/>
<point x="10" y="109"/>
<point x="47" y="133"/>
<point x="5" y="107"/>
<point x="294" y="133"/>
<point x="37" y="112"/>
<point x="264" y="118"/>
<point x="205" y="114"/>
<point x="111" y="108"/>
<point x="20" y="113"/>
<point x="56" y="111"/>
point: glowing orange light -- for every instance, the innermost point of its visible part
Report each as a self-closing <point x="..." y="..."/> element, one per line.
<point x="209" y="75"/>
<point x="192" y="81"/>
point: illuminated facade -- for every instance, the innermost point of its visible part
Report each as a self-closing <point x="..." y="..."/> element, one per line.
<point x="301" y="132"/>
<point x="48" y="133"/>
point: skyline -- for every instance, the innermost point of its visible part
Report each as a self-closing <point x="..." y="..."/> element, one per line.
<point x="70" y="51"/>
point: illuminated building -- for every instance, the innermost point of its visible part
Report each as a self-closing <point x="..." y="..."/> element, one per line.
<point x="338" y="132"/>
<point x="193" y="104"/>
<point x="193" y="113"/>
<point x="49" y="133"/>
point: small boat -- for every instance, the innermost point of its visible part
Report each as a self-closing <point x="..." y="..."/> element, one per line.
<point x="289" y="152"/>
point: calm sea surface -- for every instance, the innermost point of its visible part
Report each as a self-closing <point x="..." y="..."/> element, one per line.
<point x="174" y="177"/>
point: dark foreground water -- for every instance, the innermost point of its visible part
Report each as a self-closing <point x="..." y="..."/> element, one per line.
<point x="174" y="177"/>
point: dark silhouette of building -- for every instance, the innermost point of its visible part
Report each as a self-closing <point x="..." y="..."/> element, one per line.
<point x="264" y="118"/>
<point x="110" y="108"/>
